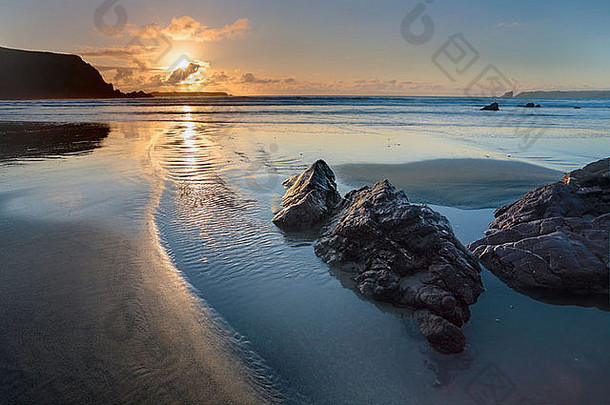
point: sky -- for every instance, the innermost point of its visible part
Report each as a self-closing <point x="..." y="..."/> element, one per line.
<point x="376" y="47"/>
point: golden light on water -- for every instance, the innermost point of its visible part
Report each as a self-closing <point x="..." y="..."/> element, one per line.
<point x="188" y="125"/>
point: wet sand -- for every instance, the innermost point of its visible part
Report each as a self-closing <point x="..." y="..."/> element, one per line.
<point x="92" y="311"/>
<point x="461" y="183"/>
<point x="88" y="315"/>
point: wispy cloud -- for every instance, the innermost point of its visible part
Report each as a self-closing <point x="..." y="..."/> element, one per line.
<point x="250" y="83"/>
<point x="186" y="28"/>
<point x="509" y="25"/>
<point x="251" y="78"/>
<point x="117" y="52"/>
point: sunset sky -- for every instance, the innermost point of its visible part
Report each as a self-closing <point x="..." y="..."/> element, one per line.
<point x="316" y="46"/>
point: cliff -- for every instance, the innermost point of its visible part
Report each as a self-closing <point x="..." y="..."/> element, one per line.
<point x="565" y="94"/>
<point x="43" y="75"/>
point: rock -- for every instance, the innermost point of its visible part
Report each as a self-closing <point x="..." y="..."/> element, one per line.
<point x="556" y="237"/>
<point x="538" y="106"/>
<point x="443" y="335"/>
<point x="491" y="107"/>
<point x="563" y="254"/>
<point x="596" y="174"/>
<point x="508" y="94"/>
<point x="405" y="254"/>
<point x="309" y="199"/>
<point x="530" y="105"/>
<point x="577" y="108"/>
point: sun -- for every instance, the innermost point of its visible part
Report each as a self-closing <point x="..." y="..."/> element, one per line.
<point x="183" y="64"/>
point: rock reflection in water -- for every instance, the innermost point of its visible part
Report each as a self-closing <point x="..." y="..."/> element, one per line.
<point x="33" y="140"/>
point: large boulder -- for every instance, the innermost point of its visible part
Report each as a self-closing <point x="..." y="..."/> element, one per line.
<point x="555" y="238"/>
<point x="309" y="199"/>
<point x="405" y="254"/>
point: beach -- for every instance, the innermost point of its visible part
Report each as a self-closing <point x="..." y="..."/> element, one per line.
<point x="140" y="263"/>
<point x="93" y="311"/>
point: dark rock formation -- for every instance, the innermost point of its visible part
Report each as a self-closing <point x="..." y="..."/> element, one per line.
<point x="555" y="237"/>
<point x="407" y="255"/>
<point x="309" y="199"/>
<point x="43" y="75"/>
<point x="532" y="105"/>
<point x="491" y="107"/>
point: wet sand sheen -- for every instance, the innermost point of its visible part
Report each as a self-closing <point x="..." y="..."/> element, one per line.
<point x="90" y="315"/>
<point x="96" y="313"/>
<point x="461" y="183"/>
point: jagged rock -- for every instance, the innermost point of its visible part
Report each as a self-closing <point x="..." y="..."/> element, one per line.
<point x="491" y="107"/>
<point x="405" y="254"/>
<point x="309" y="199"/>
<point x="583" y="192"/>
<point x="555" y="237"/>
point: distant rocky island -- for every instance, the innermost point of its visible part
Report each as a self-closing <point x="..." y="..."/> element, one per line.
<point x="561" y="94"/>
<point x="190" y="94"/>
<point x="28" y="75"/>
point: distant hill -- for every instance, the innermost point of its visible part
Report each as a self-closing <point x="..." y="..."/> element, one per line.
<point x="191" y="94"/>
<point x="42" y="75"/>
<point x="565" y="94"/>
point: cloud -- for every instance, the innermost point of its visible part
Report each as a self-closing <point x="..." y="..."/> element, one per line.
<point x="511" y="25"/>
<point x="237" y="82"/>
<point x="250" y="78"/>
<point x="116" y="52"/>
<point x="186" y="28"/>
<point x="220" y="77"/>
<point x="193" y="73"/>
<point x="138" y="64"/>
